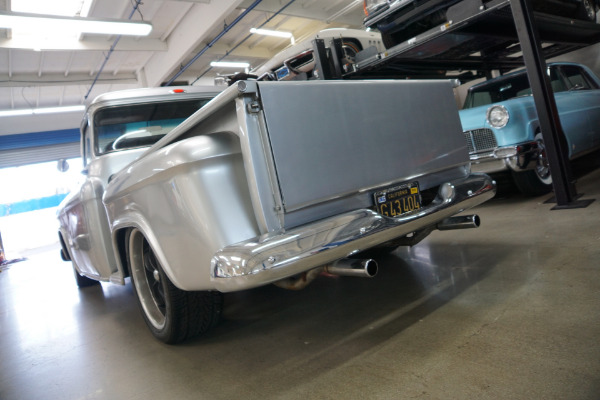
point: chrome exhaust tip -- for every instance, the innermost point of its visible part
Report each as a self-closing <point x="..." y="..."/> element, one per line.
<point x="460" y="222"/>
<point x="366" y="268"/>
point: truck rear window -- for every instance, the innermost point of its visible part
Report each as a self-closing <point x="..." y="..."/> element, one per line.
<point x="138" y="125"/>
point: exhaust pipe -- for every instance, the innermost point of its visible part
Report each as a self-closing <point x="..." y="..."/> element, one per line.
<point x="353" y="267"/>
<point x="461" y="222"/>
<point x="347" y="267"/>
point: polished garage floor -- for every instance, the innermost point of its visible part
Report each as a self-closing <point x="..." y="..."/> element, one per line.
<point x="507" y="311"/>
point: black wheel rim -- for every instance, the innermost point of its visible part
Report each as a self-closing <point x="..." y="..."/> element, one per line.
<point x="542" y="169"/>
<point x="148" y="280"/>
<point x="151" y="269"/>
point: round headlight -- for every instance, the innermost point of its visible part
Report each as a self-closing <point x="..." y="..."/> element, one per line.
<point x="497" y="116"/>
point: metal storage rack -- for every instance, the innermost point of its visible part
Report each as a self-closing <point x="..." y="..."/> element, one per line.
<point x="478" y="39"/>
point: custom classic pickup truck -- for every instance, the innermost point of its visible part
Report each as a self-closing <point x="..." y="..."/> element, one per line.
<point x="268" y="182"/>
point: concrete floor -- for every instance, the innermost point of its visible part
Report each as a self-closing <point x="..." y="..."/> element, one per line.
<point x="507" y="311"/>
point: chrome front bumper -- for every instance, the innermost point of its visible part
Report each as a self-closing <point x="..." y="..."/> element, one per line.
<point x="274" y="256"/>
<point x="516" y="158"/>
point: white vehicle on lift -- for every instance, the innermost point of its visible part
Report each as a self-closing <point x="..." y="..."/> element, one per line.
<point x="298" y="61"/>
<point x="270" y="182"/>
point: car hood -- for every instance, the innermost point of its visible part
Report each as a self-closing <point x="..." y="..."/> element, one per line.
<point x="475" y="118"/>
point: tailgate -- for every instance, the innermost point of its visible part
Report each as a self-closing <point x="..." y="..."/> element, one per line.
<point x="341" y="140"/>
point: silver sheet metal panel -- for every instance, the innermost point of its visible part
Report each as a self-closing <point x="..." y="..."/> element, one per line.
<point x="331" y="139"/>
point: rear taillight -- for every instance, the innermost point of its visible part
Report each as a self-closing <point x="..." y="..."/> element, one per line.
<point x="370" y="6"/>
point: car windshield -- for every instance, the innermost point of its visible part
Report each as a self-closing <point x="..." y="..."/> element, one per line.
<point x="138" y="125"/>
<point x="506" y="89"/>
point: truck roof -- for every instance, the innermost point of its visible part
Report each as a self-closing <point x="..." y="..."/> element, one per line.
<point x="145" y="93"/>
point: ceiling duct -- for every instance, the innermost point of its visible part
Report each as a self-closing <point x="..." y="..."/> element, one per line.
<point x="208" y="46"/>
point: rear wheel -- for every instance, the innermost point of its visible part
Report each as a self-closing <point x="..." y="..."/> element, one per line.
<point x="538" y="181"/>
<point x="388" y="40"/>
<point x="350" y="50"/>
<point x="173" y="315"/>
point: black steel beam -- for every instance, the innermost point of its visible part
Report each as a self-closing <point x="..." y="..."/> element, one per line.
<point x="556" y="146"/>
<point x="322" y="65"/>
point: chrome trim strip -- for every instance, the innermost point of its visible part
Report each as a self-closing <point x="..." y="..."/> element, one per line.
<point x="270" y="257"/>
<point x="482" y="156"/>
<point x="525" y="159"/>
<point x="489" y="165"/>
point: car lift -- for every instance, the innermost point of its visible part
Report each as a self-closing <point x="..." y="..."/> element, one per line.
<point x="476" y="40"/>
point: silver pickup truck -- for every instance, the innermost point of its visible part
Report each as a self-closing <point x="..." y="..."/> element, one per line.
<point x="269" y="182"/>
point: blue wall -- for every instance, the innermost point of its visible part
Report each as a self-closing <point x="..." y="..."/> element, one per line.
<point x="37" y="139"/>
<point x="31" y="205"/>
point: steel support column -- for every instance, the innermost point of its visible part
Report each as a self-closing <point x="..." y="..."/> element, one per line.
<point x="322" y="64"/>
<point x="554" y="139"/>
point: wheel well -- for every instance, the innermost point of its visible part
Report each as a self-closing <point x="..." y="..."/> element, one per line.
<point x="354" y="42"/>
<point x="63" y="246"/>
<point x="535" y="128"/>
<point x="121" y="242"/>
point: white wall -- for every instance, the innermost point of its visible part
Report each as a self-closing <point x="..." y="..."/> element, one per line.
<point x="40" y="123"/>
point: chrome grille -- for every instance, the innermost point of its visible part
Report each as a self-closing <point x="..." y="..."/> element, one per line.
<point x="479" y="140"/>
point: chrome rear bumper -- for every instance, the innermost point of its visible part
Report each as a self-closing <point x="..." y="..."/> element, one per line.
<point x="275" y="256"/>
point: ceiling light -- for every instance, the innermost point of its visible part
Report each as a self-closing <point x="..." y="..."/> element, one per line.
<point x="67" y="8"/>
<point x="228" y="64"/>
<point x="268" y="32"/>
<point x="52" y="23"/>
<point x="36" y="111"/>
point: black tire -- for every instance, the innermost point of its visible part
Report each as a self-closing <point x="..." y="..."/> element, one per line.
<point x="388" y="40"/>
<point x="84" y="281"/>
<point x="538" y="181"/>
<point x="173" y="315"/>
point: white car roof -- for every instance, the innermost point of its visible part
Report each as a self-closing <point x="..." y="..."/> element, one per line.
<point x="306" y="44"/>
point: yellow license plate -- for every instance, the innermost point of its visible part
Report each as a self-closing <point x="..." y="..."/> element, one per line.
<point x="398" y="200"/>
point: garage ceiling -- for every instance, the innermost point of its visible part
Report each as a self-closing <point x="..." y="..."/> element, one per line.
<point x="75" y="73"/>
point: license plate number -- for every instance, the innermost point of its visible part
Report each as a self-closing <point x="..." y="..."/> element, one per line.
<point x="398" y="200"/>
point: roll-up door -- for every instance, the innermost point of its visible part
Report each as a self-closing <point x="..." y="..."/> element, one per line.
<point x="37" y="147"/>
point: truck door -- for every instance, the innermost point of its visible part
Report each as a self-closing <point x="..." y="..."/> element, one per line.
<point x="89" y="234"/>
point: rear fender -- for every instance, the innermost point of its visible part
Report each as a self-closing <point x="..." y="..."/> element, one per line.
<point x="188" y="199"/>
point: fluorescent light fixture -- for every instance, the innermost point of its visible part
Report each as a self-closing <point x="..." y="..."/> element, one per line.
<point x="268" y="32"/>
<point x="67" y="8"/>
<point x="36" y="111"/>
<point x="228" y="64"/>
<point x="53" y="23"/>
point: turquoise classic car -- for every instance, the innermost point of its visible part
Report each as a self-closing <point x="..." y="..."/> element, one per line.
<point x="502" y="130"/>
